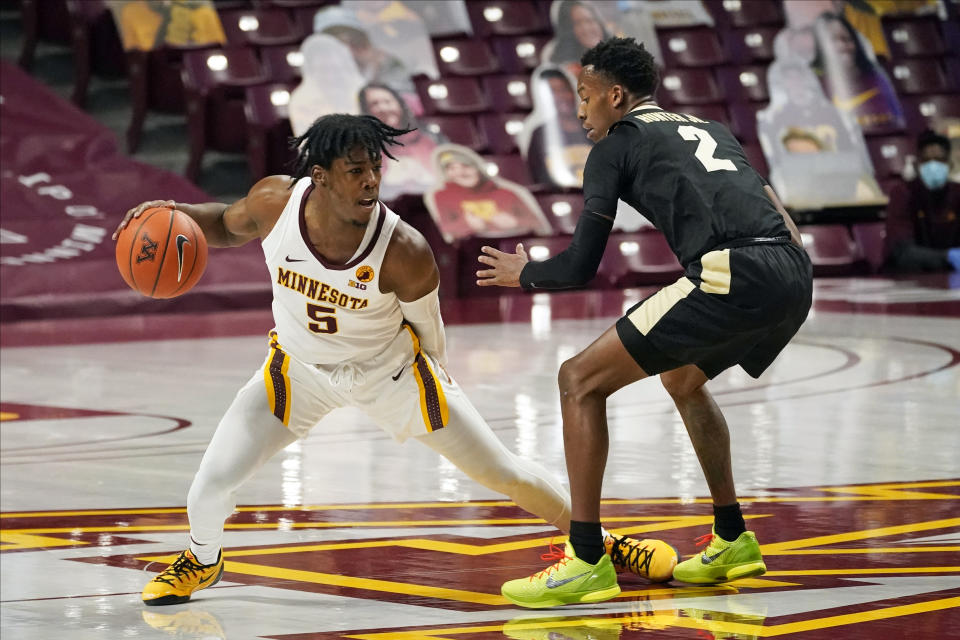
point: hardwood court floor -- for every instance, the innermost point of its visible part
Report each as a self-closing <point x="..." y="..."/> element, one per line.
<point x="845" y="454"/>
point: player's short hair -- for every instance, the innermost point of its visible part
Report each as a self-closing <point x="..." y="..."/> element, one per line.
<point x="929" y="137"/>
<point x="625" y="61"/>
<point x="333" y="136"/>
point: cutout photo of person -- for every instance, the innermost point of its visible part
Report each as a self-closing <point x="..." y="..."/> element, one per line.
<point x="375" y="64"/>
<point x="553" y="140"/>
<point x="851" y="76"/>
<point x="470" y="203"/>
<point x="817" y="157"/>
<point x="578" y="27"/>
<point x="331" y="82"/>
<point x="413" y="171"/>
<point x="145" y="26"/>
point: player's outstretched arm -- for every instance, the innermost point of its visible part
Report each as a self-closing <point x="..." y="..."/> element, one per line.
<point x="229" y="225"/>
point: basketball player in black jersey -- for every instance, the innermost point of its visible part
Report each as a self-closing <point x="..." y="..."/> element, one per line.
<point x="745" y="292"/>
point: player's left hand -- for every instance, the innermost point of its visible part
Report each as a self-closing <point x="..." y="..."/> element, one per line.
<point x="505" y="267"/>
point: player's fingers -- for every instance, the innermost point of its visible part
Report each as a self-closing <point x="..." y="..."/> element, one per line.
<point x="520" y="251"/>
<point x="488" y="260"/>
<point x="490" y="251"/>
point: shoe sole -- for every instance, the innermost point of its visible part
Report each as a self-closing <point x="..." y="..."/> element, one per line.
<point x="738" y="572"/>
<point x="173" y="599"/>
<point x="589" y="597"/>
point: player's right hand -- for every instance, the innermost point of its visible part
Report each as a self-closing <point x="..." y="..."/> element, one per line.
<point x="140" y="208"/>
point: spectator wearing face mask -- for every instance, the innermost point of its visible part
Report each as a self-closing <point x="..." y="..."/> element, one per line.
<point x="923" y="230"/>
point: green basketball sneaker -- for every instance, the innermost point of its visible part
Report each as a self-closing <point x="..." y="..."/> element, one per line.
<point x="568" y="581"/>
<point x="722" y="561"/>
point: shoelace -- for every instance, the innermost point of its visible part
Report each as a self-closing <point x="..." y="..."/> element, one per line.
<point x="704" y="539"/>
<point x="636" y="559"/>
<point x="555" y="553"/>
<point x="180" y="567"/>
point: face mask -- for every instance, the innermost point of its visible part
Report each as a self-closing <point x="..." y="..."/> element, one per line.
<point x="934" y="174"/>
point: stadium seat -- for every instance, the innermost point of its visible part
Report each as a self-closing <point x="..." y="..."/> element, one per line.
<point x="510" y="166"/>
<point x="640" y="258"/>
<point x="215" y="82"/>
<point x="460" y="129"/>
<point x="716" y="112"/>
<point x="501" y="129"/>
<point x="507" y="17"/>
<point x="924" y="112"/>
<point x="519" y="54"/>
<point x="282" y="62"/>
<point x="689" y="86"/>
<point x="562" y="209"/>
<point x="743" y="120"/>
<point x="451" y="95"/>
<point x="832" y="250"/>
<point x="508" y="93"/>
<point x="914" y="37"/>
<point x="47" y="20"/>
<point x="869" y="238"/>
<point x="913" y="76"/>
<point x="745" y="83"/>
<point x="698" y="47"/>
<point x="750" y="13"/>
<point x="753" y="45"/>
<point x="268" y="129"/>
<point x="465" y="57"/>
<point x="261" y="27"/>
<point x="953" y="70"/>
<point x="889" y="154"/>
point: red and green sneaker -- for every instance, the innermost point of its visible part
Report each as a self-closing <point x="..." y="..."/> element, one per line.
<point x="569" y="580"/>
<point x="722" y="561"/>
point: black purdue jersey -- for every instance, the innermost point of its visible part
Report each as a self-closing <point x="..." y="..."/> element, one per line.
<point x="688" y="176"/>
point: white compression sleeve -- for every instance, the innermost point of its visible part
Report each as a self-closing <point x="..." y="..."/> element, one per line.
<point x="424" y="315"/>
<point x="468" y="442"/>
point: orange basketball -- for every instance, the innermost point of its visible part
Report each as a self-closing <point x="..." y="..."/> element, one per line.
<point x="162" y="253"/>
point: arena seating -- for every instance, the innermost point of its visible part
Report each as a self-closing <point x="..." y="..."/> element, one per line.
<point x="483" y="93"/>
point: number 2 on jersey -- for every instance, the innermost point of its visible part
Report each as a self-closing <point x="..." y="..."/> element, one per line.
<point x="705" y="149"/>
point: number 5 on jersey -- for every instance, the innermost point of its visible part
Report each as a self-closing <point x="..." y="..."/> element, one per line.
<point x="324" y="320"/>
<point x="705" y="149"/>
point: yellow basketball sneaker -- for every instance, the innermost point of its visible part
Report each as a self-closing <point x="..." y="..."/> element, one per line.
<point x="722" y="561"/>
<point x="176" y="583"/>
<point x="647" y="558"/>
<point x="569" y="580"/>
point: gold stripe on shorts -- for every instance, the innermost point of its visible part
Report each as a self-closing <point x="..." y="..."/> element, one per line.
<point x="715" y="275"/>
<point x="433" y="402"/>
<point x="277" y="380"/>
<point x="648" y="314"/>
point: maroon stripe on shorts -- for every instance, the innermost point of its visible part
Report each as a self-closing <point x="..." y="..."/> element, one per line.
<point x="430" y="394"/>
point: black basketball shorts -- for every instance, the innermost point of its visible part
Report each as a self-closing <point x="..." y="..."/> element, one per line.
<point x="734" y="306"/>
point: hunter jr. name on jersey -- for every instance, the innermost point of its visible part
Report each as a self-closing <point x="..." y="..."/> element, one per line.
<point x="317" y="290"/>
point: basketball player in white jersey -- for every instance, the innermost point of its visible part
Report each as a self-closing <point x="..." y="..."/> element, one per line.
<point x="357" y="324"/>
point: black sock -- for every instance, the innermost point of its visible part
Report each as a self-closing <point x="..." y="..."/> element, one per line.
<point x="587" y="541"/>
<point x="728" y="521"/>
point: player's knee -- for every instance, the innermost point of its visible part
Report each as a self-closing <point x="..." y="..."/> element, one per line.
<point x="679" y="384"/>
<point x="571" y="380"/>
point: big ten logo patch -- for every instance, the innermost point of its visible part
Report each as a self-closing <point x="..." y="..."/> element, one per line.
<point x="148" y="249"/>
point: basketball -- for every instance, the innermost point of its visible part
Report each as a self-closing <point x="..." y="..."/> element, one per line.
<point x="161" y="254"/>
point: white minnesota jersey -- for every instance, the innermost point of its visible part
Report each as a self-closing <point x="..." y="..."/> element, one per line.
<point x="326" y="313"/>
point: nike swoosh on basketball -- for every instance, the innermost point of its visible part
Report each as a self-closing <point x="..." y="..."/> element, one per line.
<point x="553" y="584"/>
<point x="397" y="377"/>
<point x="289" y="259"/>
<point x="181" y="240"/>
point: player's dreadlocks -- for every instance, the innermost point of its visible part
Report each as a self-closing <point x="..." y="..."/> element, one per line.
<point x="626" y="62"/>
<point x="332" y="136"/>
